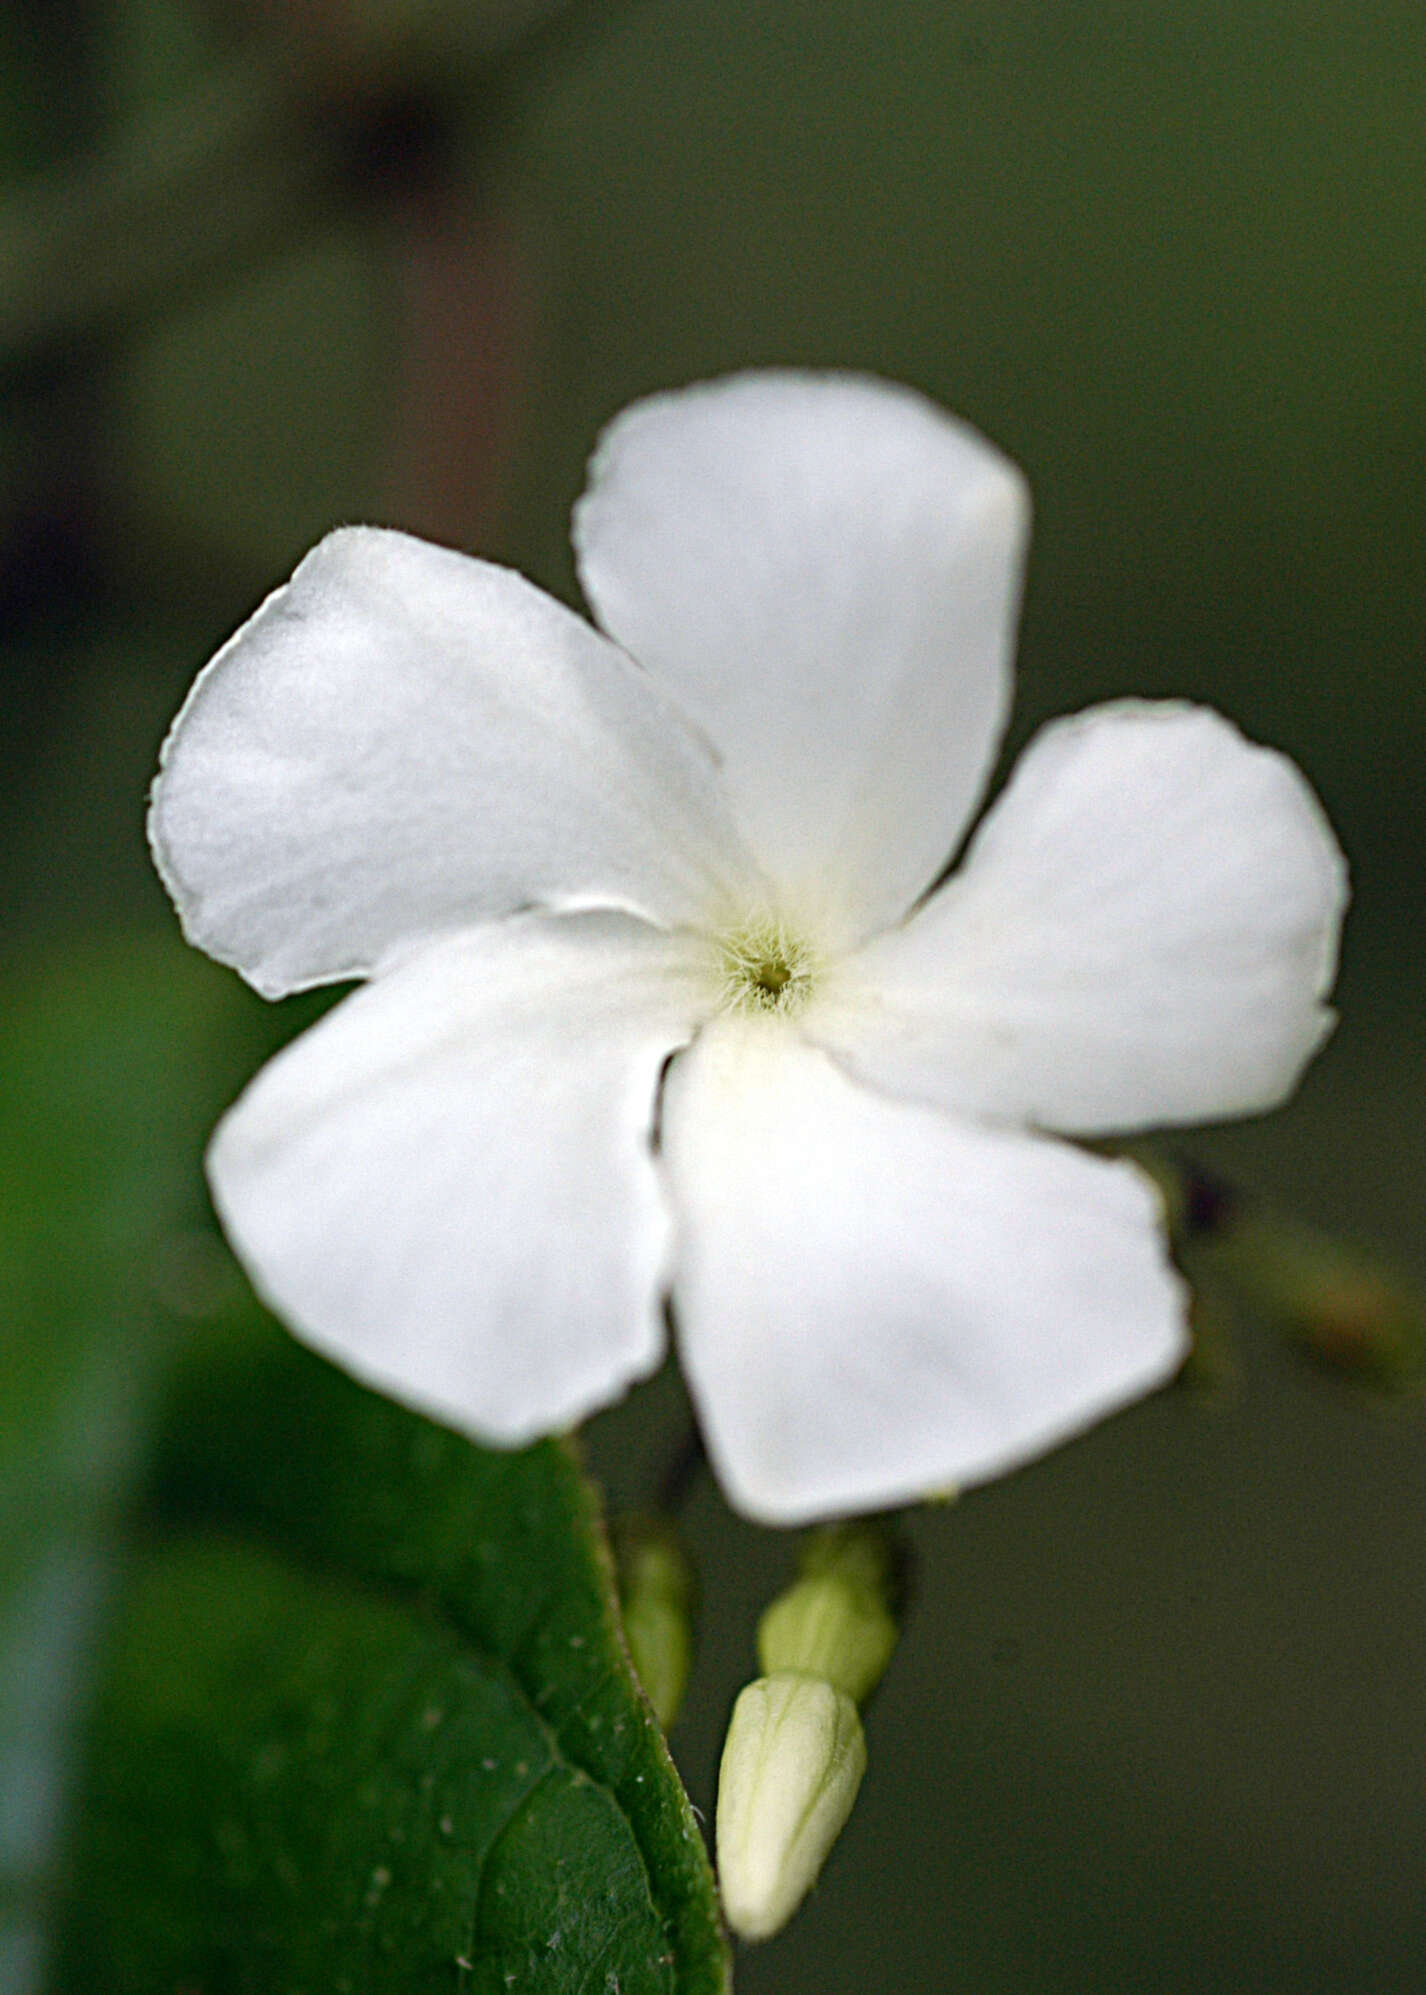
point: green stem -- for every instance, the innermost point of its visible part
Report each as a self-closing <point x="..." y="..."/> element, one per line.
<point x="1338" y="1302"/>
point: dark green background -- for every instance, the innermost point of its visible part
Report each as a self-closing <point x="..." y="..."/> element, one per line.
<point x="1157" y="1723"/>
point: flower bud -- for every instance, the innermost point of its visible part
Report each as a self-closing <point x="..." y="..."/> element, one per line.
<point x="1365" y="1322"/>
<point x="1337" y="1304"/>
<point x="1333" y="1300"/>
<point x="792" y="1764"/>
<point x="836" y="1621"/>
<point x="831" y="1628"/>
<point x="657" y="1595"/>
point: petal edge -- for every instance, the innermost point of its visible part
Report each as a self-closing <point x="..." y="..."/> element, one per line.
<point x="874" y="1301"/>
<point x="826" y="569"/>
<point x="447" y="1186"/>
<point x="1143" y="932"/>
<point x="403" y="740"/>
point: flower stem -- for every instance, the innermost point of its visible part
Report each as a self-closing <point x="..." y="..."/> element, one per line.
<point x="1338" y="1303"/>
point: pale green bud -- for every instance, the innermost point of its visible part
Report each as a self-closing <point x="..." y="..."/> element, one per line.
<point x="657" y="1595"/>
<point x="832" y="1628"/>
<point x="836" y="1621"/>
<point x="792" y="1764"/>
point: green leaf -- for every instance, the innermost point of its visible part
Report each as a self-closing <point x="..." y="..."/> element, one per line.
<point x="317" y="1573"/>
<point x="113" y="1060"/>
<point x="370" y="1724"/>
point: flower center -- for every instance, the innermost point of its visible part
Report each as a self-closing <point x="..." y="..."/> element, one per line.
<point x="765" y="967"/>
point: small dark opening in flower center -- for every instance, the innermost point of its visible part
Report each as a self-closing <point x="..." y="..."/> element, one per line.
<point x="772" y="979"/>
<point x="766" y="968"/>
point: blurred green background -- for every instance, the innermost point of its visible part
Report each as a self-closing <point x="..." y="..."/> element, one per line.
<point x="1159" y="1721"/>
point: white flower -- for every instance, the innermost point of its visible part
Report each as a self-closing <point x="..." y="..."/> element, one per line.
<point x="657" y="1001"/>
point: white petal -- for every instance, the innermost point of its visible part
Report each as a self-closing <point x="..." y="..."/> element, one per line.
<point x="827" y="569"/>
<point x="875" y="1301"/>
<point x="404" y="740"/>
<point x="1143" y="932"/>
<point x="447" y="1186"/>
